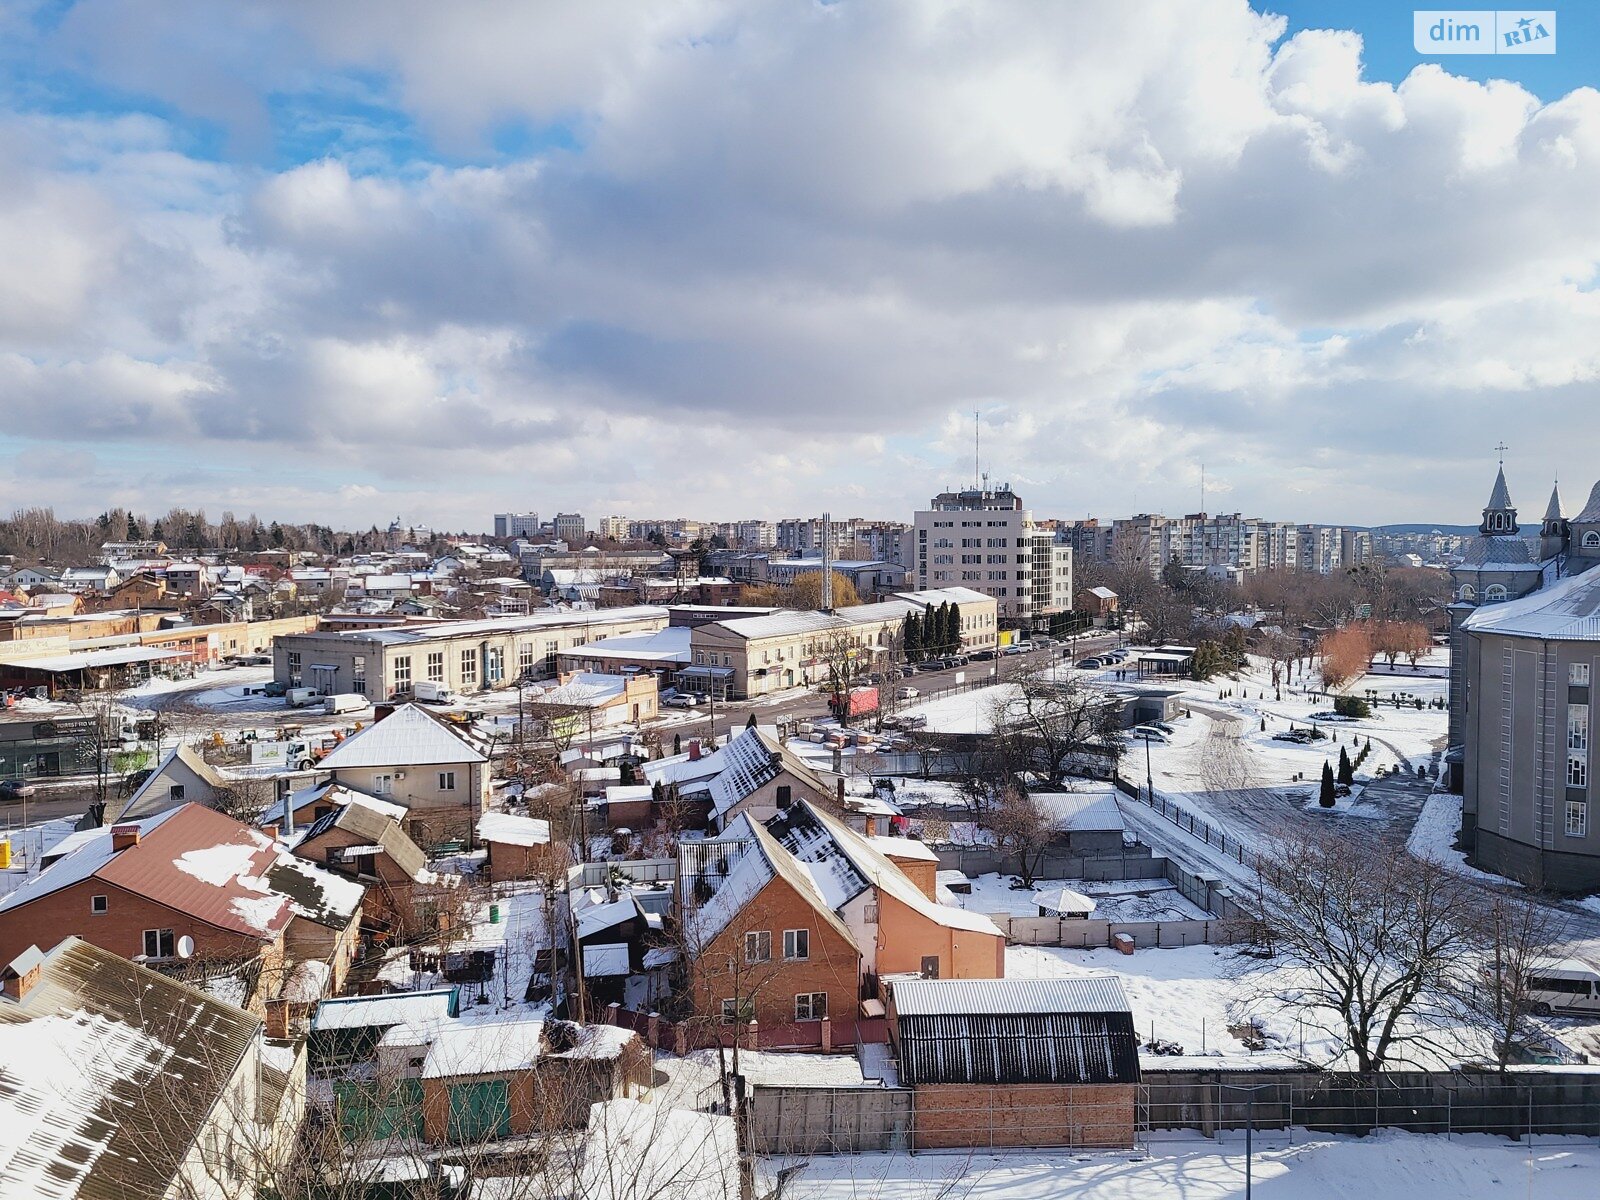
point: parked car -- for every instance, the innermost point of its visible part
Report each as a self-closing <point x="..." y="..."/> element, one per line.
<point x="906" y="692"/>
<point x="1008" y="651"/>
<point x="1090" y="664"/>
<point x="1148" y="733"/>
<point x="274" y="688"/>
<point x="930" y="664"/>
<point x="1164" y="726"/>
<point x="983" y="656"/>
<point x="681" y="701"/>
<point x="907" y="672"/>
<point x="15" y="789"/>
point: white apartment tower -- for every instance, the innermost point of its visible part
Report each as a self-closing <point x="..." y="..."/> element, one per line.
<point x="985" y="540"/>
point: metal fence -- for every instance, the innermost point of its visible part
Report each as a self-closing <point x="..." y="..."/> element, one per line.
<point x="1184" y="819"/>
<point x="1090" y="933"/>
<point x="1528" y="1105"/>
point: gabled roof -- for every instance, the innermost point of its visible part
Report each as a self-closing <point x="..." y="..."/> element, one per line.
<point x="1568" y="610"/>
<point x="154" y="794"/>
<point x="761" y="861"/>
<point x="376" y="827"/>
<point x="411" y="736"/>
<point x="109" y="1073"/>
<point x="508" y="829"/>
<point x="636" y="1149"/>
<point x="200" y="862"/>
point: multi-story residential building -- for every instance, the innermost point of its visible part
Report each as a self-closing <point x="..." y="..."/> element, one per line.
<point x="614" y="528"/>
<point x="749" y="535"/>
<point x="985" y="540"/>
<point x="1089" y="539"/>
<point x="510" y="525"/>
<point x="1231" y="541"/>
<point x="569" y="528"/>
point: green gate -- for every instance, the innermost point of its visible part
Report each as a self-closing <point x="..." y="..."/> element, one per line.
<point x="367" y="1115"/>
<point x="480" y="1111"/>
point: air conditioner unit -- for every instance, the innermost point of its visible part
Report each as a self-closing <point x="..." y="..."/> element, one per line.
<point x="399" y="774"/>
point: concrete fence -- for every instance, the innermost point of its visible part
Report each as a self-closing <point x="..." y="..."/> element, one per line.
<point x="1088" y="934"/>
<point x="820" y="1120"/>
<point x="1131" y="863"/>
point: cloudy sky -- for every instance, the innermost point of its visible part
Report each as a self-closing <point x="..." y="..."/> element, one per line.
<point x="342" y="261"/>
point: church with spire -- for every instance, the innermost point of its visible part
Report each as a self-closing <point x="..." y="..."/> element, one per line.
<point x="1524" y="642"/>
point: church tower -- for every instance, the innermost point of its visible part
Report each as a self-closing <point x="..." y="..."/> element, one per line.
<point x="1553" y="531"/>
<point x="1500" y="515"/>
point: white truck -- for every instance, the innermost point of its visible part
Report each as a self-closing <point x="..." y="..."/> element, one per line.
<point x="432" y="693"/>
<point x="344" y="702"/>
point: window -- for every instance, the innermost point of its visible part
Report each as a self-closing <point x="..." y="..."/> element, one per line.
<point x="495" y="666"/>
<point x="1591" y="540"/>
<point x="525" y="658"/>
<point x="447" y="781"/>
<point x="1468" y="592"/>
<point x="158" y="943"/>
<point x="733" y="1010"/>
<point x="1578" y="674"/>
<point x="436" y="666"/>
<point x="796" y="944"/>
<point x="176" y="793"/>
<point x="402" y="672"/>
<point x="869" y="913"/>
<point x="383" y="784"/>
<point x="811" y="1006"/>
<point x="292" y="661"/>
<point x="1577" y="771"/>
<point x="99" y="905"/>
<point x="358" y="674"/>
<point x="785" y="795"/>
<point x="1577" y="727"/>
<point x="930" y="966"/>
<point x="1577" y="818"/>
<point x="758" y="946"/>
<point x="469" y="666"/>
<point x="1495" y="591"/>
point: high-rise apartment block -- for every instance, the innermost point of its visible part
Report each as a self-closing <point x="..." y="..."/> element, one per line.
<point x="510" y="525"/>
<point x="985" y="540"/>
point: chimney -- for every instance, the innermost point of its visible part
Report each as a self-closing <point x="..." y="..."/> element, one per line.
<point x="694" y="750"/>
<point x="124" y="837"/>
<point x="19" y="977"/>
<point x="838" y="789"/>
<point x="271" y="831"/>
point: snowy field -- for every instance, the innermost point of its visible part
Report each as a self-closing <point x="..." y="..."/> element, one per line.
<point x="1316" y="1167"/>
<point x="1115" y="899"/>
<point x="965" y="712"/>
<point x="1194" y="995"/>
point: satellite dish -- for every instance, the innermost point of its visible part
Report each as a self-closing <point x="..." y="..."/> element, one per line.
<point x="185" y="946"/>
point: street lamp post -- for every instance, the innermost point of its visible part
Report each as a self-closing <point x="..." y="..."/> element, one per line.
<point x="1250" y="1091"/>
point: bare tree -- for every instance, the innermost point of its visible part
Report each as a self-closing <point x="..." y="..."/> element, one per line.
<point x="1021" y="829"/>
<point x="1052" y="725"/>
<point x="1514" y="935"/>
<point x="1375" y="934"/>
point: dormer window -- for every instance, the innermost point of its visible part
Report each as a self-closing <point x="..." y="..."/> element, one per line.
<point x="1591" y="540"/>
<point x="1495" y="591"/>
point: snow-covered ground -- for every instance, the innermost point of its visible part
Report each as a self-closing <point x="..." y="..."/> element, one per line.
<point x="1433" y="836"/>
<point x="1383" y="1165"/>
<point x="964" y="712"/>
<point x="1192" y="995"/>
<point x="1115" y="899"/>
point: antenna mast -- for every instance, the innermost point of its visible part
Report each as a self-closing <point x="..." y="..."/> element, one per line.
<point x="977" y="473"/>
<point x="827" y="562"/>
<point x="1202" y="487"/>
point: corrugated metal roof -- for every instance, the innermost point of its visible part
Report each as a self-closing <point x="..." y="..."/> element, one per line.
<point x="410" y="736"/>
<point x="117" y="1111"/>
<point x="1000" y="997"/>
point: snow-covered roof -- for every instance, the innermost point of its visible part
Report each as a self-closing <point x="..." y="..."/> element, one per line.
<point x="1005" y="997"/>
<point x="606" y="959"/>
<point x="1591" y="511"/>
<point x="409" y="736"/>
<point x="951" y="595"/>
<point x="664" y="645"/>
<point x="1080" y="812"/>
<point x="377" y="1012"/>
<point x="483" y="1048"/>
<point x="899" y="847"/>
<point x="1067" y="901"/>
<point x="547" y="619"/>
<point x="508" y="829"/>
<point x="1568" y="610"/>
<point x="585" y="689"/>
<point x="783" y="623"/>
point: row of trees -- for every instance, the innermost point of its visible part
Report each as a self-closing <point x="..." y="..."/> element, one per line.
<point x="38" y="535"/>
<point x="933" y="634"/>
<point x="1348" y="651"/>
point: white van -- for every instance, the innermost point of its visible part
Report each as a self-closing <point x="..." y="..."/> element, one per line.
<point x="299" y="697"/>
<point x="1566" y="986"/>
<point x="344" y="702"/>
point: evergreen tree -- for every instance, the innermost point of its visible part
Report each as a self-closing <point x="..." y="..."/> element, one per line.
<point x="1326" y="797"/>
<point x="156" y="532"/>
<point x="677" y="744"/>
<point x="955" y="628"/>
<point x="912" y="636"/>
<point x="1347" y="773"/>
<point x="135" y="531"/>
<point x="751" y="723"/>
<point x="947" y="641"/>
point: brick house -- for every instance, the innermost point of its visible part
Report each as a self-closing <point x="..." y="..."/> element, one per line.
<point x="753" y="773"/>
<point x="190" y="879"/>
<point x="362" y="840"/>
<point x="798" y="919"/>
<point x="1017" y="1062"/>
<point x="518" y="847"/>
